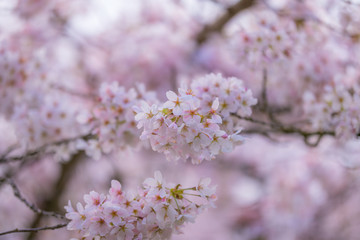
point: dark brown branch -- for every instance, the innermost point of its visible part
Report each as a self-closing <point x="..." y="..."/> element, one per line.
<point x="41" y="149"/>
<point x="34" y="229"/>
<point x="2" y="180"/>
<point x="264" y="99"/>
<point x="261" y="132"/>
<point x="264" y="105"/>
<point x="260" y="122"/>
<point x="283" y="129"/>
<point x="35" y="209"/>
<point x="219" y="24"/>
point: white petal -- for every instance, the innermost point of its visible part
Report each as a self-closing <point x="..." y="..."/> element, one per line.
<point x="215" y="104"/>
<point x="171" y="96"/>
<point x="177" y="111"/>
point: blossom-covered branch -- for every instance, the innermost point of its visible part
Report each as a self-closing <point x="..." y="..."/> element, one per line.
<point x="158" y="210"/>
<point x="113" y="119"/>
<point x="195" y="122"/>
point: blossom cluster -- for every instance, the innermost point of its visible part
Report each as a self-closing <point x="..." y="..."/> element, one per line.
<point x="196" y="122"/>
<point x="16" y="72"/>
<point x="155" y="212"/>
<point x="53" y="121"/>
<point x="112" y="120"/>
<point x="337" y="109"/>
<point x="269" y="42"/>
<point x="39" y="118"/>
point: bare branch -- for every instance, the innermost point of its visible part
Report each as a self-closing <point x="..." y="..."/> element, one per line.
<point x="41" y="149"/>
<point x="2" y="180"/>
<point x="264" y="99"/>
<point x="264" y="105"/>
<point x="316" y="143"/>
<point x="219" y="24"/>
<point x="262" y="132"/>
<point x="30" y="205"/>
<point x="283" y="129"/>
<point x="34" y="229"/>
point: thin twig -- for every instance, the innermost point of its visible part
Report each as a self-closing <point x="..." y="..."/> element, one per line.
<point x="219" y="24"/>
<point x="262" y="132"/>
<point x="9" y="150"/>
<point x="16" y="230"/>
<point x="35" y="209"/>
<point x="73" y="92"/>
<point x="51" y="203"/>
<point x="264" y="104"/>
<point x="2" y="180"/>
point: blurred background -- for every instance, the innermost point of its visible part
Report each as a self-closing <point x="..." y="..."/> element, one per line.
<point x="55" y="54"/>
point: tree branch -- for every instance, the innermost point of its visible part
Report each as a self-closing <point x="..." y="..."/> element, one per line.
<point x="219" y="24"/>
<point x="280" y="128"/>
<point x="34" y="229"/>
<point x="41" y="149"/>
<point x="35" y="209"/>
<point x="264" y="98"/>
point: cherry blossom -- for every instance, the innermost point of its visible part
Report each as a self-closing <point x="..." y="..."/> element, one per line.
<point x="335" y="109"/>
<point x="158" y="210"/>
<point x="113" y="119"/>
<point x="189" y="125"/>
<point x="280" y="77"/>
